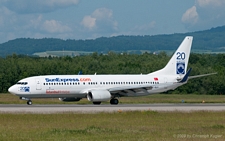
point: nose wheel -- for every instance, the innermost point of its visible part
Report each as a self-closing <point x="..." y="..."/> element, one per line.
<point x="29" y="102"/>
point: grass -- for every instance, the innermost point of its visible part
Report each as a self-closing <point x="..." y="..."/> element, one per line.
<point x="157" y="98"/>
<point x="123" y="126"/>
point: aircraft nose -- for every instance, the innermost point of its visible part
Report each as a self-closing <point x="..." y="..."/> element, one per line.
<point x="12" y="90"/>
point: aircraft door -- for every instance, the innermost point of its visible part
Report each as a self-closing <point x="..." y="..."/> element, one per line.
<point x="38" y="84"/>
<point x="165" y="81"/>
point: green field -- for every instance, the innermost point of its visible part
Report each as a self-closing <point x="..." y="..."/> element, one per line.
<point x="121" y="125"/>
<point x="124" y="126"/>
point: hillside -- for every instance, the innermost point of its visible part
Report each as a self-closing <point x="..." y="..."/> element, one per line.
<point x="212" y="39"/>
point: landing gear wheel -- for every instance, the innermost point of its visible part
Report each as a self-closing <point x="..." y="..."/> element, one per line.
<point x="114" y="101"/>
<point x="29" y="102"/>
<point x="96" y="103"/>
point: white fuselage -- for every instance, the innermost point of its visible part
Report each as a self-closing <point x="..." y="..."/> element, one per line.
<point x="50" y="86"/>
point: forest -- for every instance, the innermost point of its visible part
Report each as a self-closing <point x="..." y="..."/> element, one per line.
<point x="212" y="40"/>
<point x="15" y="67"/>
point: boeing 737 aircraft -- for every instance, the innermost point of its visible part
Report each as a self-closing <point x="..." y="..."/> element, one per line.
<point x="99" y="88"/>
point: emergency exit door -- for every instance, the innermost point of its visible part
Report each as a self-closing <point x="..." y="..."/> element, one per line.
<point x="38" y="84"/>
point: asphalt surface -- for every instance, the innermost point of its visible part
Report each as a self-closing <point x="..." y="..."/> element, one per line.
<point x="48" y="109"/>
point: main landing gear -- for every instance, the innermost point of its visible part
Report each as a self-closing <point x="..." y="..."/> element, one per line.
<point x="114" y="101"/>
<point x="97" y="103"/>
<point x="29" y="102"/>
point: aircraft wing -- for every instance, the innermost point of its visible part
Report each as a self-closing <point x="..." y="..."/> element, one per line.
<point x="130" y="90"/>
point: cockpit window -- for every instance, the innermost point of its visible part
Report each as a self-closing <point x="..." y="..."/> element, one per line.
<point x="21" y="83"/>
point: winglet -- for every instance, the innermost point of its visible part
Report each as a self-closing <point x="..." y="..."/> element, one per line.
<point x="80" y="72"/>
<point x="185" y="78"/>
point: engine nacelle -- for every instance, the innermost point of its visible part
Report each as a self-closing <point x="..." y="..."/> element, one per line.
<point x="69" y="99"/>
<point x="98" y="95"/>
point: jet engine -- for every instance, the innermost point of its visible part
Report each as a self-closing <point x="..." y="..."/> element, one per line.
<point x="98" y="95"/>
<point x="69" y="99"/>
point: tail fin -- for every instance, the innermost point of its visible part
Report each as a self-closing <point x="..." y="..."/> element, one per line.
<point x="179" y="61"/>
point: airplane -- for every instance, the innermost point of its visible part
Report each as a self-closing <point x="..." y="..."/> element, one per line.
<point x="99" y="88"/>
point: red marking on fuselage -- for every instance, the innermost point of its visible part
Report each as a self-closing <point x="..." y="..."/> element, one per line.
<point x="85" y="79"/>
<point x="57" y="92"/>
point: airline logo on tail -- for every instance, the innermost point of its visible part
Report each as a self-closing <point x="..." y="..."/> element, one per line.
<point x="180" y="63"/>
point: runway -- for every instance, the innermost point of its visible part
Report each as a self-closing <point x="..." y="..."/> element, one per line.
<point x="48" y="109"/>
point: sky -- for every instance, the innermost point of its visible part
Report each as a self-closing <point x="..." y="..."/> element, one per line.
<point x="91" y="19"/>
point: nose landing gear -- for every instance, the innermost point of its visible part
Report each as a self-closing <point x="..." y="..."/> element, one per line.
<point x="29" y="102"/>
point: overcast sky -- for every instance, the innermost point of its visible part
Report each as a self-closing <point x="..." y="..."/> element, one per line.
<point x="90" y="19"/>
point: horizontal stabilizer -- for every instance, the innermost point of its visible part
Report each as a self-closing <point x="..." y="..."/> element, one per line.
<point x="202" y="75"/>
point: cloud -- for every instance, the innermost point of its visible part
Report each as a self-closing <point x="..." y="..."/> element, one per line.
<point x="101" y="20"/>
<point x="4" y="13"/>
<point x="190" y="16"/>
<point x="146" y="27"/>
<point x="211" y="3"/>
<point x="37" y="6"/>
<point x="13" y="25"/>
<point x="53" y="26"/>
<point x="102" y="13"/>
<point x="204" y="14"/>
<point x="89" y="22"/>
